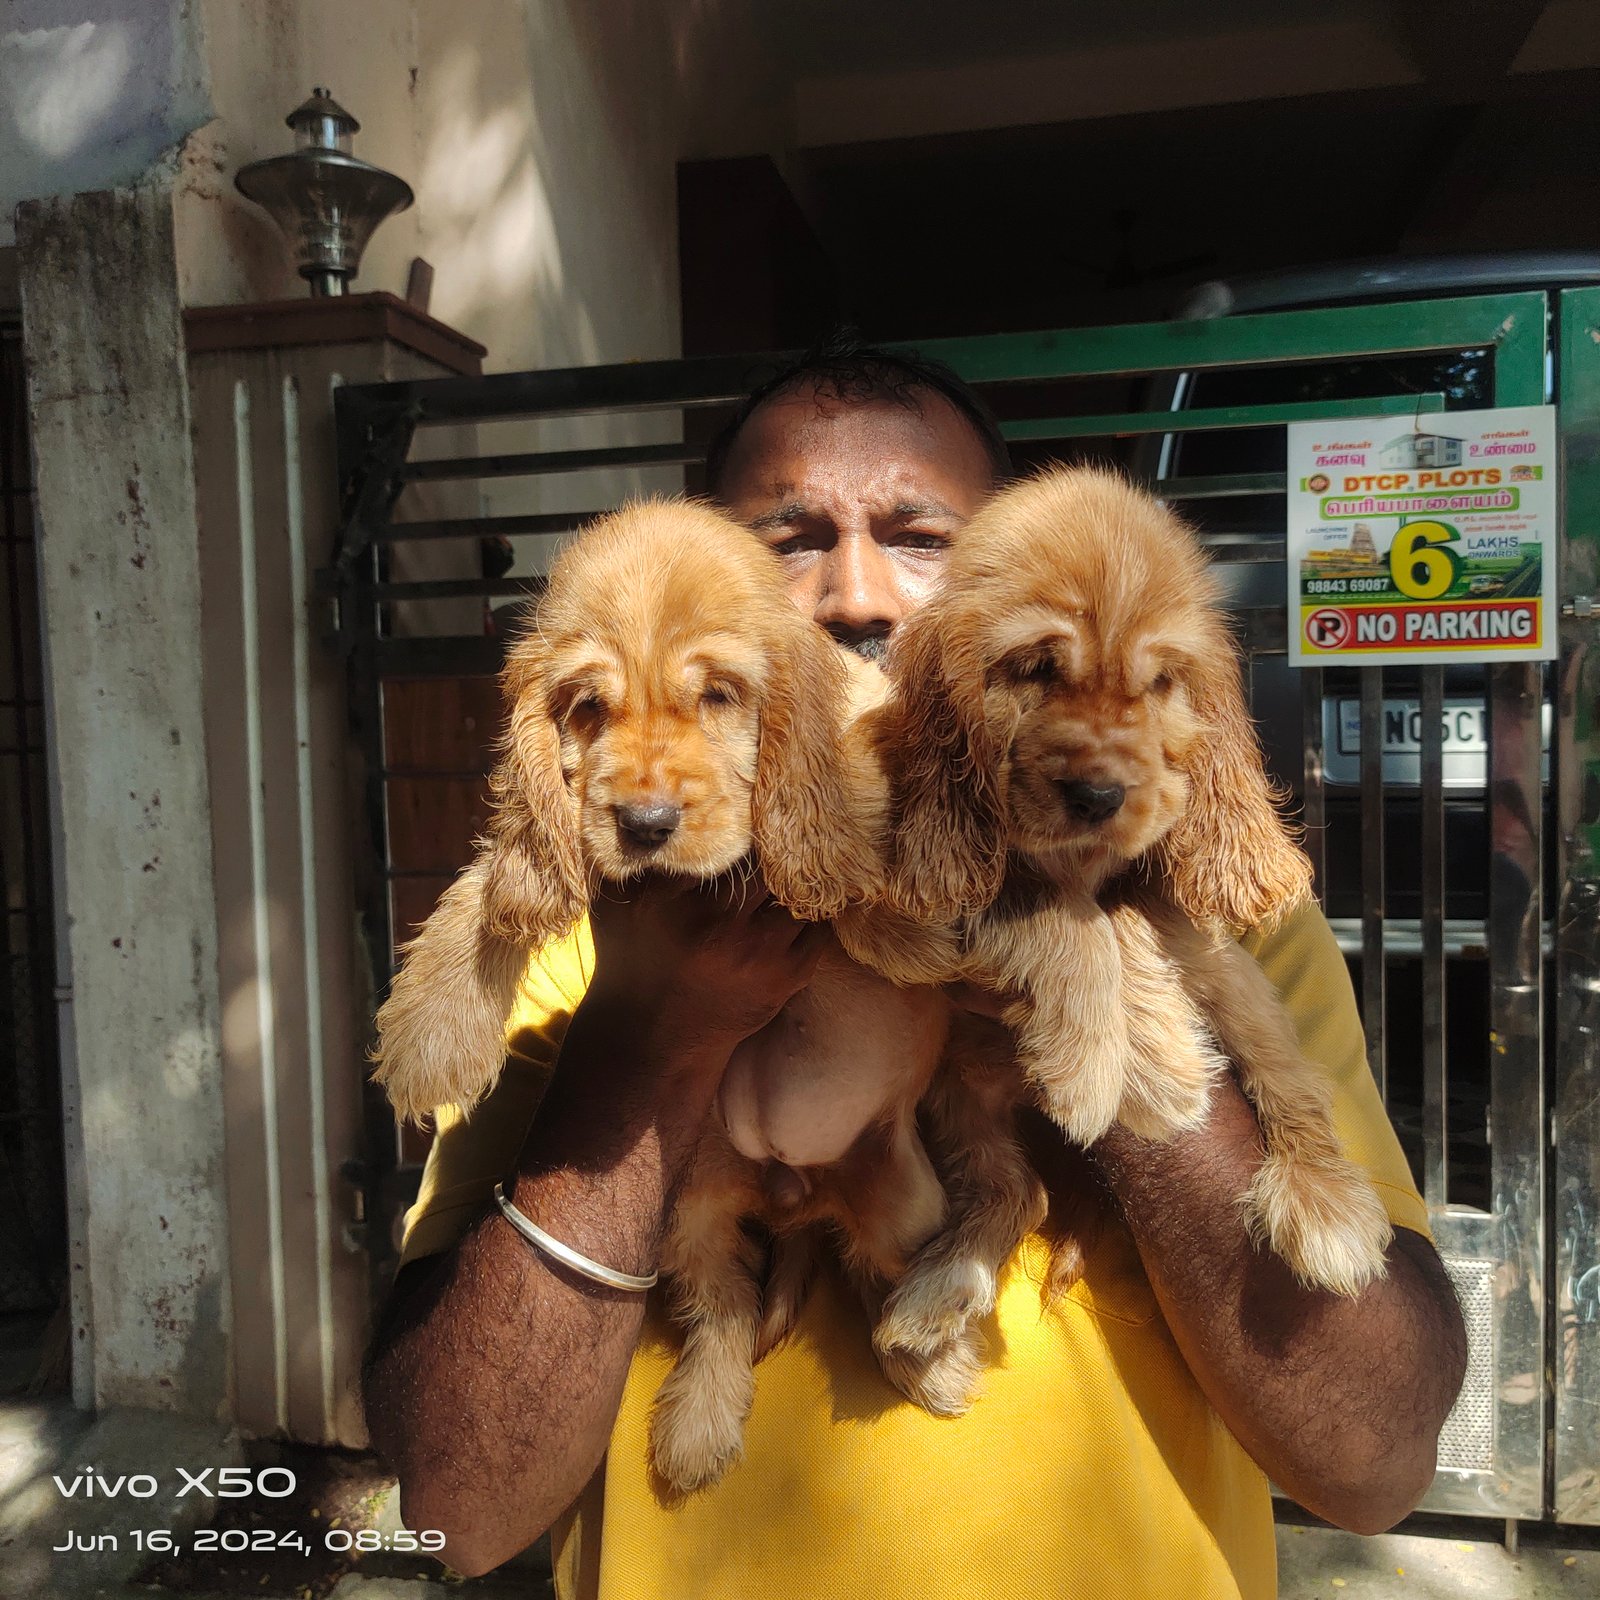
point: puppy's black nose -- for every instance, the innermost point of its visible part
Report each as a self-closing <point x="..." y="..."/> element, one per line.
<point x="1092" y="802"/>
<point x="651" y="823"/>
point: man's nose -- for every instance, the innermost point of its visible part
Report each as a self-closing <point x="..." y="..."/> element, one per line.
<point x="860" y="598"/>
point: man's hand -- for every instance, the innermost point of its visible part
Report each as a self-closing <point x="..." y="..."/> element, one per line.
<point x="699" y="964"/>
<point x="1339" y="1400"/>
<point x="684" y="972"/>
<point x="495" y="1379"/>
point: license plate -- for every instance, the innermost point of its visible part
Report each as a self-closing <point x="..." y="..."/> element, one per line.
<point x="1465" y="726"/>
<point x="1465" y="742"/>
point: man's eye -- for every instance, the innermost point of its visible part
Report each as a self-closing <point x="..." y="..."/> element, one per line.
<point x="925" y="541"/>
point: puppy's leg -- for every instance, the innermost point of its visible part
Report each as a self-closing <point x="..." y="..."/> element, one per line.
<point x="1172" y="1059"/>
<point x="1312" y="1204"/>
<point x="697" y="1426"/>
<point x="791" y="1266"/>
<point x="905" y="952"/>
<point x="996" y="1198"/>
<point x="887" y="1203"/>
<point x="891" y="1200"/>
<point x="441" y="1032"/>
<point x="944" y="1379"/>
<point x="1071" y="1031"/>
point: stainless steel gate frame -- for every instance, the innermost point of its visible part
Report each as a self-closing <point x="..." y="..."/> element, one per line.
<point x="1520" y="1444"/>
<point x="1575" y="1126"/>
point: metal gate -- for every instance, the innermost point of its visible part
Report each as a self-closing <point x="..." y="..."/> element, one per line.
<point x="33" y="1252"/>
<point x="1445" y="896"/>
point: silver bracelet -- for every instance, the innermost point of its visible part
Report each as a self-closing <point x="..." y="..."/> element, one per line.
<point x="548" y="1245"/>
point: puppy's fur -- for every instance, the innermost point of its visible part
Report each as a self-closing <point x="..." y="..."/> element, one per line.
<point x="669" y="680"/>
<point x="1083" y="821"/>
<point x="665" y="665"/>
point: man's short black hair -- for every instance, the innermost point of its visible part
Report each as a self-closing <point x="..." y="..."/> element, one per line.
<point x="843" y="368"/>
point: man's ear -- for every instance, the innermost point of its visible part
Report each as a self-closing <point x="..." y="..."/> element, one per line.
<point x="946" y="756"/>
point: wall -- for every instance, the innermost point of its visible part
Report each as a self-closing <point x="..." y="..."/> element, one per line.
<point x="541" y="138"/>
<point x="109" y="410"/>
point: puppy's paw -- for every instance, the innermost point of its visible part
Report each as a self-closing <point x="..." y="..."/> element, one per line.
<point x="943" y="1381"/>
<point x="1067" y="1261"/>
<point x="1083" y="1104"/>
<point x="1171" y="1096"/>
<point x="1323" y="1217"/>
<point x="934" y="1304"/>
<point x="697" y="1426"/>
<point x="1164" y="1117"/>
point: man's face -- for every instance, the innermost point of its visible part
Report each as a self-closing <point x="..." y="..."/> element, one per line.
<point x="861" y="500"/>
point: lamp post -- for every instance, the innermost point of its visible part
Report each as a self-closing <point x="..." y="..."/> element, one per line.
<point x="326" y="201"/>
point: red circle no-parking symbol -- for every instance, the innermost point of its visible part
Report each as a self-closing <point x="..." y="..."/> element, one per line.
<point x="1328" y="629"/>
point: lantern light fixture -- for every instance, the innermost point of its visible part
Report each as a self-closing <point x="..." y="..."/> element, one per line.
<point x="325" y="201"/>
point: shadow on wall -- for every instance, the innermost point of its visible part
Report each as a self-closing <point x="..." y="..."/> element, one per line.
<point x="547" y="189"/>
<point x="542" y="142"/>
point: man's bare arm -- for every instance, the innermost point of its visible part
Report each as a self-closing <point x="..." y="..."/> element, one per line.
<point x="1339" y="1400"/>
<point x="493" y="1384"/>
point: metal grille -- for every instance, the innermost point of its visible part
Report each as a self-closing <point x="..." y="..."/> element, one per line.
<point x="32" y="1185"/>
<point x="1467" y="1442"/>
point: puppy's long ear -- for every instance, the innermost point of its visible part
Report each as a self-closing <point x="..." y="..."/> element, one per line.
<point x="441" y="1032"/>
<point x="534" y="886"/>
<point x="946" y="752"/>
<point x="1231" y="860"/>
<point x="813" y="839"/>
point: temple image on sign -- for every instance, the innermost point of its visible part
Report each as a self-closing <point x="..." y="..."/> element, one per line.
<point x="1354" y="560"/>
<point x="1421" y="450"/>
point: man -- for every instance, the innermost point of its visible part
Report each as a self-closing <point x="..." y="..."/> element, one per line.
<point x="1122" y="1442"/>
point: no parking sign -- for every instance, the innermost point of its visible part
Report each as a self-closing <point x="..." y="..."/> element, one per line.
<point x="1420" y="544"/>
<point x="1328" y="628"/>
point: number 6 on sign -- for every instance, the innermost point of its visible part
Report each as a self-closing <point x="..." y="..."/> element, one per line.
<point x="1418" y="566"/>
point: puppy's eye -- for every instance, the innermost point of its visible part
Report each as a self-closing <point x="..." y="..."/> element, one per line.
<point x="719" y="693"/>
<point x="1034" y="669"/>
<point x="1162" y="684"/>
<point x="588" y="707"/>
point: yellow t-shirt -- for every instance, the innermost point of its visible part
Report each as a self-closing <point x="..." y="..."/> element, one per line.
<point x="1091" y="1467"/>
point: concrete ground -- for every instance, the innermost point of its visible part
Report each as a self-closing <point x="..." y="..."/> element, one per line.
<point x="1329" y="1565"/>
<point x="43" y="1439"/>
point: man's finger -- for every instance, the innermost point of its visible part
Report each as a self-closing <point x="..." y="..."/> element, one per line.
<point x="983" y="1002"/>
<point x="811" y="938"/>
<point x="647" y="886"/>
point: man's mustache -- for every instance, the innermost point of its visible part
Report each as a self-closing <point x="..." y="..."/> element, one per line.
<point x="873" y="647"/>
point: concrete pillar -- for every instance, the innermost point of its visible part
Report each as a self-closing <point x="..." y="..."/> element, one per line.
<point x="118" y="548"/>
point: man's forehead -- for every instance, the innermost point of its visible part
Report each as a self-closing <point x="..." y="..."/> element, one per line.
<point x="801" y="447"/>
<point x="906" y="486"/>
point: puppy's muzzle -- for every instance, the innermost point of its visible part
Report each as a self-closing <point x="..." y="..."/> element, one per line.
<point x="650" y="823"/>
<point x="1091" y="802"/>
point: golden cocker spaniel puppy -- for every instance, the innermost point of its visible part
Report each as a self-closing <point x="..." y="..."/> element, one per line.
<point x="1083" y="820"/>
